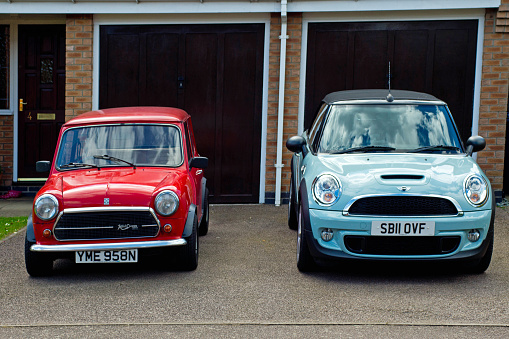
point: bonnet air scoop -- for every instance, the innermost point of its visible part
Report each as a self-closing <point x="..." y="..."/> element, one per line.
<point x="402" y="177"/>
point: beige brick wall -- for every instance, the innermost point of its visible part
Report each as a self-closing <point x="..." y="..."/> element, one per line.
<point x="78" y="69"/>
<point x="292" y="82"/>
<point x="494" y="89"/>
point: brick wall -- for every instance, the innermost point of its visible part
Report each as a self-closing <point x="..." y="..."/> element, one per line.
<point x="494" y="90"/>
<point x="78" y="70"/>
<point x="6" y="149"/>
<point x="293" y="58"/>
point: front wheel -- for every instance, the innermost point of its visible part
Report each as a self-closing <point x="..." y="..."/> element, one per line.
<point x="188" y="254"/>
<point x="37" y="264"/>
<point x="305" y="261"/>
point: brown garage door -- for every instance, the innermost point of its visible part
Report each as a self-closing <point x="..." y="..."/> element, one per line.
<point x="436" y="57"/>
<point x="214" y="72"/>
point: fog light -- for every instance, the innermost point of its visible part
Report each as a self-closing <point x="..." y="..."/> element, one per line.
<point x="473" y="235"/>
<point x="46" y="233"/>
<point x="327" y="234"/>
<point x="167" y="228"/>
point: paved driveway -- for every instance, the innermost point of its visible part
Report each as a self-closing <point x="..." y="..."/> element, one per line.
<point x="247" y="285"/>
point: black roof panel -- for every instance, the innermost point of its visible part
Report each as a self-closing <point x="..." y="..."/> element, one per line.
<point x="377" y="94"/>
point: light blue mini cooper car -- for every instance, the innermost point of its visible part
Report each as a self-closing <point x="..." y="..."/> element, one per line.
<point x="385" y="176"/>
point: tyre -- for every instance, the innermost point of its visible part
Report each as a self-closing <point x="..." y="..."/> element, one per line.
<point x="37" y="264"/>
<point x="292" y="214"/>
<point x="478" y="266"/>
<point x="204" y="224"/>
<point x="305" y="262"/>
<point x="188" y="254"/>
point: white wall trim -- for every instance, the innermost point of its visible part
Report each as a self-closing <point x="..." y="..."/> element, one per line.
<point x="396" y="16"/>
<point x="100" y="20"/>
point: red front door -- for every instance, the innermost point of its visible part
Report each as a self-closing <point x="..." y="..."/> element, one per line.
<point x="41" y="91"/>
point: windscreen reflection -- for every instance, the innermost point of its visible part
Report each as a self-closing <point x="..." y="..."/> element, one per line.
<point x="142" y="145"/>
<point x="404" y="127"/>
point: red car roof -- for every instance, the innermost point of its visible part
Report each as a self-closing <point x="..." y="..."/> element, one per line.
<point x="130" y="114"/>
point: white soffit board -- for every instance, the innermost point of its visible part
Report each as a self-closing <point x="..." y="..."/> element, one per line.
<point x="234" y="6"/>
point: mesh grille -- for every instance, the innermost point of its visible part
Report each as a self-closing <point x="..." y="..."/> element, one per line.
<point x="401" y="245"/>
<point x="403" y="205"/>
<point x="106" y="225"/>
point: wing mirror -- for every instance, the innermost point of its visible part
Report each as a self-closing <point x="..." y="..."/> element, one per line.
<point x="42" y="166"/>
<point x="199" y="162"/>
<point x="475" y="143"/>
<point x="296" y="144"/>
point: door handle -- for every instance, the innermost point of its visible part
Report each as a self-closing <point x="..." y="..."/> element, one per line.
<point x="21" y="103"/>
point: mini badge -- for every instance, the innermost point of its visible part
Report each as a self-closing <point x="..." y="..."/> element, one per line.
<point x="404" y="188"/>
<point x="106" y="201"/>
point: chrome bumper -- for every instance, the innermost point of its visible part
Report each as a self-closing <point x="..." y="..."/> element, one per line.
<point x="107" y="246"/>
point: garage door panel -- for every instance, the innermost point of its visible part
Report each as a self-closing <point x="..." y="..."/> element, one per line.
<point x="160" y="71"/>
<point x="333" y="72"/>
<point x="239" y="114"/>
<point x="410" y="58"/>
<point x="370" y="56"/>
<point x="437" y="57"/>
<point x="200" y="95"/>
<point x="123" y="61"/>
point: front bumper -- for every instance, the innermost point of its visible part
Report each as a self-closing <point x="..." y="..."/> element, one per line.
<point x="351" y="226"/>
<point x="107" y="246"/>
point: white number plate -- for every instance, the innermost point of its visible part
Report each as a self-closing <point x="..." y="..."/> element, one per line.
<point x="90" y="257"/>
<point x="403" y="228"/>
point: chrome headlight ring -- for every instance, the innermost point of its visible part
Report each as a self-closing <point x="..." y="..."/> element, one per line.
<point x="166" y="202"/>
<point x="46" y="207"/>
<point x="475" y="189"/>
<point x="326" y="189"/>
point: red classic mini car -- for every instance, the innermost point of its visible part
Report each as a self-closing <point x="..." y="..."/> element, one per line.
<point x="125" y="183"/>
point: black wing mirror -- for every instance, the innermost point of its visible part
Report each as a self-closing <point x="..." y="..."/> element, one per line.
<point x="296" y="144"/>
<point x="42" y="166"/>
<point x="199" y="162"/>
<point x="475" y="143"/>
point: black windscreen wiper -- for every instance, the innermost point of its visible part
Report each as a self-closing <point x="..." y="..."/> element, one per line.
<point x="364" y="149"/>
<point x="78" y="165"/>
<point x="107" y="157"/>
<point x="435" y="148"/>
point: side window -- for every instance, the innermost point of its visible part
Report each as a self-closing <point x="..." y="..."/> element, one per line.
<point x="4" y="67"/>
<point x="188" y="142"/>
<point x="316" y="127"/>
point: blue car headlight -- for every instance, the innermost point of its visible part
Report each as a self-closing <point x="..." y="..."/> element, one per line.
<point x="326" y="189"/>
<point x="476" y="190"/>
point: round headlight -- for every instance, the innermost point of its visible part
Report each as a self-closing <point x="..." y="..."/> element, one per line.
<point x="46" y="207"/>
<point x="166" y="202"/>
<point x="476" y="190"/>
<point x="326" y="189"/>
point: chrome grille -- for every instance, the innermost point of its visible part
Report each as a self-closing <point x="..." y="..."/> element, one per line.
<point x="402" y="206"/>
<point x="94" y="225"/>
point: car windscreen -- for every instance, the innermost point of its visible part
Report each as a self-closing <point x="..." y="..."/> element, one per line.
<point x="385" y="127"/>
<point x="120" y="145"/>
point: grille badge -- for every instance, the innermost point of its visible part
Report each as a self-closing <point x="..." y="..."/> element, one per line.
<point x="106" y="201"/>
<point x="125" y="227"/>
<point x="404" y="188"/>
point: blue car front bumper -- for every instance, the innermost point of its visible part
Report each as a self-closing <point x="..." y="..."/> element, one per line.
<point x="353" y="240"/>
